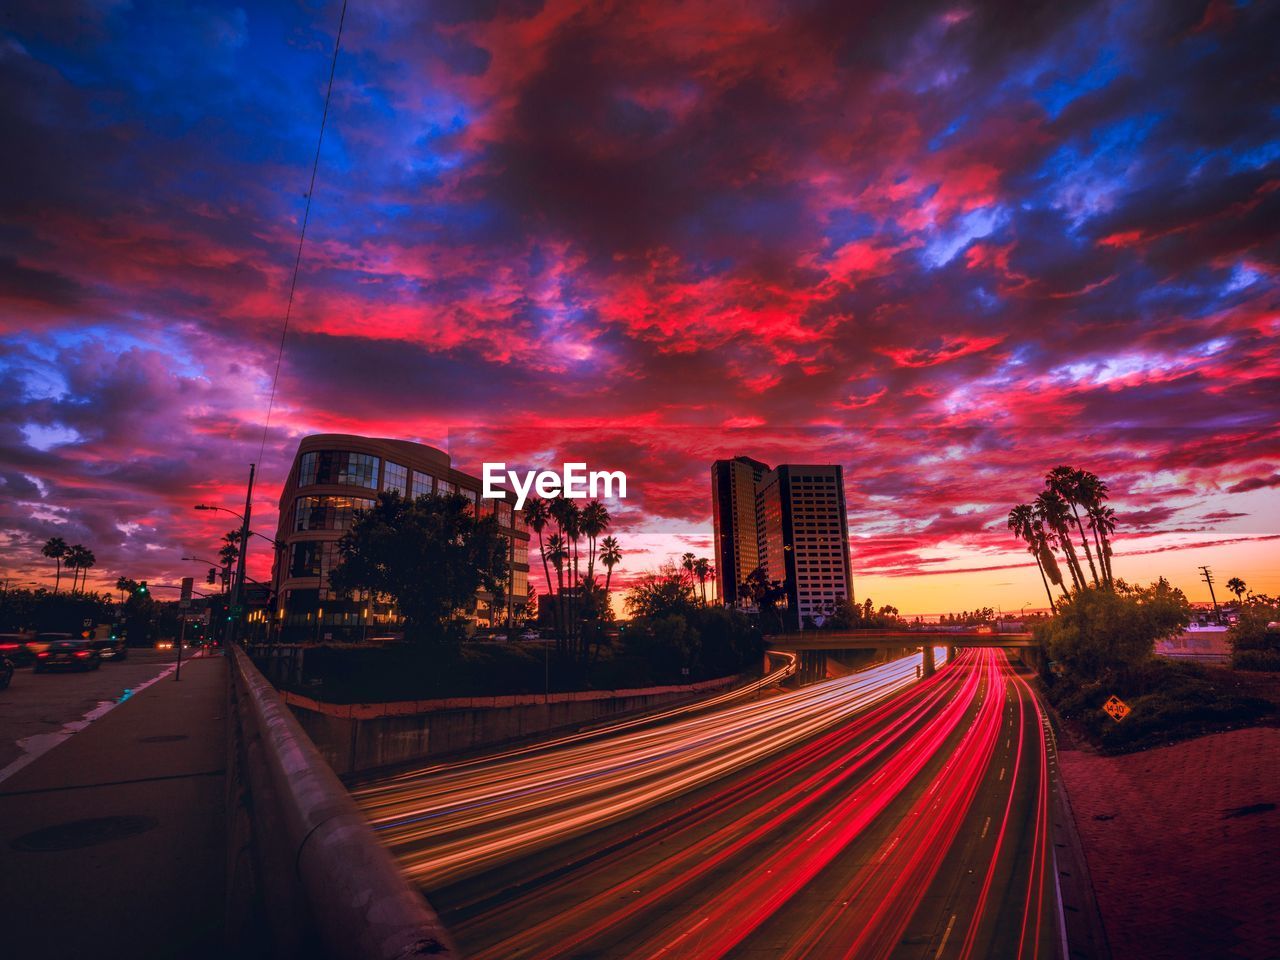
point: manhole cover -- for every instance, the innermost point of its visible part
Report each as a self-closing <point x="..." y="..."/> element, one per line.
<point x="82" y="833"/>
<point x="163" y="738"/>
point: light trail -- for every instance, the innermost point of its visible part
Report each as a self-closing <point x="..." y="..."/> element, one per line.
<point x="869" y="817"/>
<point x="446" y="822"/>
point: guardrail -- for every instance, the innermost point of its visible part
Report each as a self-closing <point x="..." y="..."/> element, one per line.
<point x="324" y="867"/>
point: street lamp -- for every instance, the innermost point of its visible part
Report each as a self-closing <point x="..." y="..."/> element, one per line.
<point x="237" y="586"/>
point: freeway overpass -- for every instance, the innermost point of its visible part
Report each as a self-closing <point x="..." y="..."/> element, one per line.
<point x="814" y="645"/>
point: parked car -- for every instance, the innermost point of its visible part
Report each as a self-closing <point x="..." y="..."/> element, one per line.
<point x="15" y="647"/>
<point x="110" y="648"/>
<point x="70" y="654"/>
<point x="6" y="672"/>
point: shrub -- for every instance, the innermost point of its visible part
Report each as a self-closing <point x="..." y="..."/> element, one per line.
<point x="1253" y="646"/>
<point x="1097" y="632"/>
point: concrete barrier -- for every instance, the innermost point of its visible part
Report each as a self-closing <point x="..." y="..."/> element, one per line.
<point x="326" y="883"/>
<point x="360" y="738"/>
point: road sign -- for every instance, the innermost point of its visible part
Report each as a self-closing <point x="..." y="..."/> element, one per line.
<point x="1116" y="708"/>
<point x="88" y="623"/>
<point x="185" y="601"/>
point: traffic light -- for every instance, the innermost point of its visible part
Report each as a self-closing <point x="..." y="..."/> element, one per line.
<point x="142" y="589"/>
<point x="213" y="575"/>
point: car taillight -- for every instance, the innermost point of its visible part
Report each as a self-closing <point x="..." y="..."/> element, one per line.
<point x="43" y="653"/>
<point x="8" y="646"/>
<point x="82" y="653"/>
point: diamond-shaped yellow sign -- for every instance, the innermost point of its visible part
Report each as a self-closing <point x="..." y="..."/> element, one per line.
<point x="1116" y="708"/>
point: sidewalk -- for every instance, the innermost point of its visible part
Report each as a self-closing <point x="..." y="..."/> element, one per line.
<point x="1182" y="843"/>
<point x="113" y="844"/>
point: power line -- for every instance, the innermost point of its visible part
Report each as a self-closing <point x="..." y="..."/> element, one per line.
<point x="302" y="236"/>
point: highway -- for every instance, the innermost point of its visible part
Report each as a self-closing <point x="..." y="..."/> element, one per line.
<point x="872" y="816"/>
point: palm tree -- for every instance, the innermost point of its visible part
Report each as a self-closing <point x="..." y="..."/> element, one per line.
<point x="1052" y="511"/>
<point x="79" y="558"/>
<point x="1022" y="521"/>
<point x="1103" y="521"/>
<point x="1236" y="586"/>
<point x="702" y="570"/>
<point x="558" y="553"/>
<point x="1049" y="561"/>
<point x="1066" y="483"/>
<point x="537" y="515"/>
<point x="1093" y="493"/>
<point x="687" y="563"/>
<point x="610" y="556"/>
<point x="595" y="520"/>
<point x="55" y="548"/>
<point x="229" y="553"/>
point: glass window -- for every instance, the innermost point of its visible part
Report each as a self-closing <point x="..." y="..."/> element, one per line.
<point x="338" y="466"/>
<point x="422" y="484"/>
<point x="503" y="510"/>
<point x="395" y="477"/>
<point x="444" y="487"/>
<point x="328" y="560"/>
<point x="328" y="513"/>
<point x="522" y="551"/>
<point x="521" y="523"/>
<point x="305" y="561"/>
<point x="474" y="497"/>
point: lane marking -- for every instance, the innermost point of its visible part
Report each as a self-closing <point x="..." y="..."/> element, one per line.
<point x="35" y="747"/>
<point x="946" y="934"/>
<point x="1002" y="773"/>
<point x="986" y="826"/>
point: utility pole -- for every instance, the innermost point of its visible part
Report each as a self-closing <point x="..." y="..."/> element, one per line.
<point x="1207" y="576"/>
<point x="237" y="585"/>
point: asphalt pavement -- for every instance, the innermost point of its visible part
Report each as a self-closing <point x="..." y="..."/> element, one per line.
<point x="39" y="710"/>
<point x="918" y="828"/>
<point x="113" y="842"/>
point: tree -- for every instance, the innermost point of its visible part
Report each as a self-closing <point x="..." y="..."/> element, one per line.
<point x="595" y="520"/>
<point x="1236" y="586"/>
<point x="1054" y="513"/>
<point x="537" y="516"/>
<point x="1103" y="521"/>
<point x="661" y="593"/>
<point x="125" y="586"/>
<point x="687" y="563"/>
<point x="428" y="555"/>
<point x="702" y="570"/>
<point x="55" y="548"/>
<point x="610" y="556"/>
<point x="79" y="558"/>
<point x="1098" y="631"/>
<point x="1067" y="483"/>
<point x="1022" y="521"/>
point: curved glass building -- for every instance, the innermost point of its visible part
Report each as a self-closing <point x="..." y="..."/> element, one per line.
<point x="334" y="475"/>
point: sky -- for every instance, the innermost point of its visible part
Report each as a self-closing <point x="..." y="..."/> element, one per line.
<point x="947" y="245"/>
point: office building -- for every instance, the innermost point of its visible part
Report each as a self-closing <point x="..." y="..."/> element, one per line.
<point x="804" y="539"/>
<point x="333" y="476"/>
<point x="792" y="522"/>
<point x="734" y="486"/>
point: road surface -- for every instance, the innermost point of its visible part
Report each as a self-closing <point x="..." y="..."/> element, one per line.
<point x="40" y="710"/>
<point x="914" y="823"/>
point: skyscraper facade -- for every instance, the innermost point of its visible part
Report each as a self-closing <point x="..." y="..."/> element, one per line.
<point x="792" y="522"/>
<point x="804" y="539"/>
<point x="734" y="485"/>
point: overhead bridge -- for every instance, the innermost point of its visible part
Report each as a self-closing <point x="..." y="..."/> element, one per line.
<point x="814" y="645"/>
